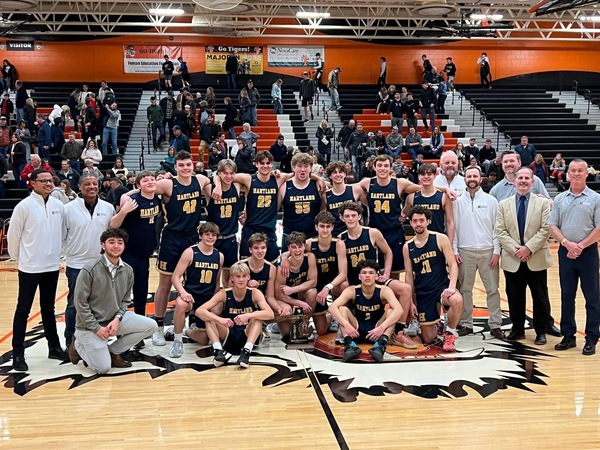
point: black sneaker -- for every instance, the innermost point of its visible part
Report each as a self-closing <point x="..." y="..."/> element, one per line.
<point x="377" y="352"/>
<point x="312" y="117"/>
<point x="221" y="357"/>
<point x="140" y="345"/>
<point x="351" y="352"/>
<point x="58" y="353"/>
<point x="244" y="359"/>
<point x="19" y="364"/>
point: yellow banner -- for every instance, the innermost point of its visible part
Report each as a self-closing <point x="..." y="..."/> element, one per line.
<point x="250" y="59"/>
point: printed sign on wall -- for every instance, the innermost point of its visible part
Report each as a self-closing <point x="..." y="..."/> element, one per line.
<point x="288" y="56"/>
<point x="143" y="58"/>
<point x="250" y="59"/>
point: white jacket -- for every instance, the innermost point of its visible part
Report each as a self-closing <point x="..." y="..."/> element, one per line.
<point x="81" y="231"/>
<point x="475" y="221"/>
<point x="34" y="234"/>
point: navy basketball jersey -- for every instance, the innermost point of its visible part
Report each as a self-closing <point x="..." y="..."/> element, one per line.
<point x="433" y="204"/>
<point x="234" y="308"/>
<point x="357" y="250"/>
<point x="261" y="203"/>
<point x="141" y="227"/>
<point x="429" y="265"/>
<point x="300" y="207"/>
<point x="201" y="276"/>
<point x="333" y="206"/>
<point x="225" y="211"/>
<point x="385" y="206"/>
<point x="261" y="277"/>
<point x="368" y="309"/>
<point x="299" y="277"/>
<point x="182" y="212"/>
<point x="327" y="263"/>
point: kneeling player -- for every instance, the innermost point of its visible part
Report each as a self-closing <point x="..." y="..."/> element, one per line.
<point x="428" y="259"/>
<point x="368" y="320"/>
<point x="298" y="289"/>
<point x="235" y="316"/>
<point x="201" y="264"/>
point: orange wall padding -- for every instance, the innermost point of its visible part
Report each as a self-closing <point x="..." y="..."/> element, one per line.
<point x="92" y="61"/>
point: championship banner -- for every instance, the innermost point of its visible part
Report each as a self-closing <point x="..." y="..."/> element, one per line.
<point x="286" y="56"/>
<point x="250" y="59"/>
<point x="143" y="58"/>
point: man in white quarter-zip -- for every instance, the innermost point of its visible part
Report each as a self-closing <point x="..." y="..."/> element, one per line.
<point x="86" y="218"/>
<point x="38" y="255"/>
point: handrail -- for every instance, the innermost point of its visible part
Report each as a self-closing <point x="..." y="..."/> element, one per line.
<point x="509" y="137"/>
<point x="141" y="158"/>
<point x="483" y="119"/>
<point x="474" y="108"/>
<point x="575" y="87"/>
<point x="561" y="84"/>
<point x="587" y="94"/>
<point x="497" y="132"/>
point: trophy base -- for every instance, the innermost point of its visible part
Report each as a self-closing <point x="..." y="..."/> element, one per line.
<point x="308" y="346"/>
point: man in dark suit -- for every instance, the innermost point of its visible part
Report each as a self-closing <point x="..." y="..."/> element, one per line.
<point x="522" y="229"/>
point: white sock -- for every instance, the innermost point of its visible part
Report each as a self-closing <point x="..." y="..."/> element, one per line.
<point x="452" y="330"/>
<point x="217" y="346"/>
<point x="179" y="337"/>
<point x="249" y="346"/>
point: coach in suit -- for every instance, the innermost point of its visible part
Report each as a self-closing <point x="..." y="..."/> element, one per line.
<point x="522" y="229"/>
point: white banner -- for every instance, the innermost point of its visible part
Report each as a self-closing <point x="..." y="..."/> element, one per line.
<point x="287" y="56"/>
<point x="144" y="58"/>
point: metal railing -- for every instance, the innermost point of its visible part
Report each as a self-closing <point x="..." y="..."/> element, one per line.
<point x="587" y="94"/>
<point x="141" y="158"/>
<point x="483" y="118"/>
<point x="575" y="87"/>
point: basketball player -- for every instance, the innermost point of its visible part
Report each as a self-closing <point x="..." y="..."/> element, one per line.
<point x="298" y="289"/>
<point x="234" y="318"/>
<point x="201" y="265"/>
<point x="430" y="197"/>
<point x="340" y="192"/>
<point x="181" y="206"/>
<point x="300" y="199"/>
<point x="432" y="272"/>
<point x="330" y="254"/>
<point x="369" y="320"/>
<point x="384" y="194"/>
<point x="137" y="216"/>
<point x="363" y="243"/>
<point x="224" y="212"/>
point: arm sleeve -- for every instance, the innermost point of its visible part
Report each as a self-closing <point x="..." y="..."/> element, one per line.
<point x="82" y="294"/>
<point x="14" y="230"/>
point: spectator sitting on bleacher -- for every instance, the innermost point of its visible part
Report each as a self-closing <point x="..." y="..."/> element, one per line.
<point x="18" y="157"/>
<point x="487" y="154"/>
<point x="368" y="171"/>
<point x="92" y="152"/>
<point x="526" y="150"/>
<point x="72" y="150"/>
<point x="179" y="140"/>
<point x="380" y="142"/>
<point x="199" y="169"/>
<point x="70" y="193"/>
<point x="397" y="164"/>
<point x="116" y="192"/>
<point x="286" y="161"/>
<point x="59" y="192"/>
<point x="278" y="150"/>
<point x="557" y="169"/>
<point x="216" y="155"/>
<point x="36" y="163"/>
<point x="317" y="169"/>
<point x="209" y="131"/>
<point x="130" y="183"/>
<point x="471" y="150"/>
<point x="414" y="143"/>
<point x="414" y="167"/>
<point x="44" y="136"/>
<point x="459" y="151"/>
<point x="91" y="169"/>
<point x="243" y="157"/>
<point x="249" y="136"/>
<point x="489" y="182"/>
<point x="436" y="144"/>
<point x="6" y="106"/>
<point x="5" y="134"/>
<point x="539" y="167"/>
<point x="351" y="175"/>
<point x="67" y="172"/>
<point x="119" y="168"/>
<point x="405" y="173"/>
<point x="393" y="143"/>
<point x="496" y="167"/>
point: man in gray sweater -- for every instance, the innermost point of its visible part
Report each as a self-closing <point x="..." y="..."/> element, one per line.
<point x="111" y="129"/>
<point x="102" y="295"/>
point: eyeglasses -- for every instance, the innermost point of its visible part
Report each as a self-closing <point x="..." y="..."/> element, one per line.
<point x="44" y="181"/>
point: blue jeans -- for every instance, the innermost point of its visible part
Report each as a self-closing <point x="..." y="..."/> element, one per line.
<point x="112" y="134"/>
<point x="335" y="97"/>
<point x="277" y="107"/>
<point x="19" y="114"/>
<point x="75" y="165"/>
<point x="411" y="152"/>
<point x="17" y="169"/>
<point x="160" y="127"/>
<point x="253" y="116"/>
<point x="231" y="81"/>
<point x="232" y="133"/>
<point x="394" y="153"/>
<point x="70" y="312"/>
<point x="431" y="112"/>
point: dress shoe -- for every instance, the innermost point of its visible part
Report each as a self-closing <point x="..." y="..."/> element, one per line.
<point x="566" y="343"/>
<point x="540" y="339"/>
<point x="19" y="364"/>
<point x="464" y="331"/>
<point x="553" y="331"/>
<point x="589" y="348"/>
<point x="73" y="355"/>
<point x="58" y="353"/>
<point x="498" y="333"/>
<point x="117" y="361"/>
<point x="513" y="336"/>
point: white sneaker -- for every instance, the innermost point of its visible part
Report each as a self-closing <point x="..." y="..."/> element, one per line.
<point x="274" y="329"/>
<point x="176" y="349"/>
<point x="413" y="328"/>
<point x="158" y="338"/>
<point x="339" y="339"/>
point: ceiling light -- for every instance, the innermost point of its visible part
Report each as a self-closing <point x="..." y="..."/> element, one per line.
<point x="476" y="16"/>
<point x="591" y="18"/>
<point x="167" y="11"/>
<point x="312" y="15"/>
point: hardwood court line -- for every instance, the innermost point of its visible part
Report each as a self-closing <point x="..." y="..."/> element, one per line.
<point x="581" y="333"/>
<point x="37" y="314"/>
<point x="335" y="428"/>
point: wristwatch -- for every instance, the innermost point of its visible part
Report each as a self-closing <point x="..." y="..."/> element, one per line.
<point x="119" y="316"/>
<point x="563" y="242"/>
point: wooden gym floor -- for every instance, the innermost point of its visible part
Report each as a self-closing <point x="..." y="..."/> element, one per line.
<point x="489" y="394"/>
